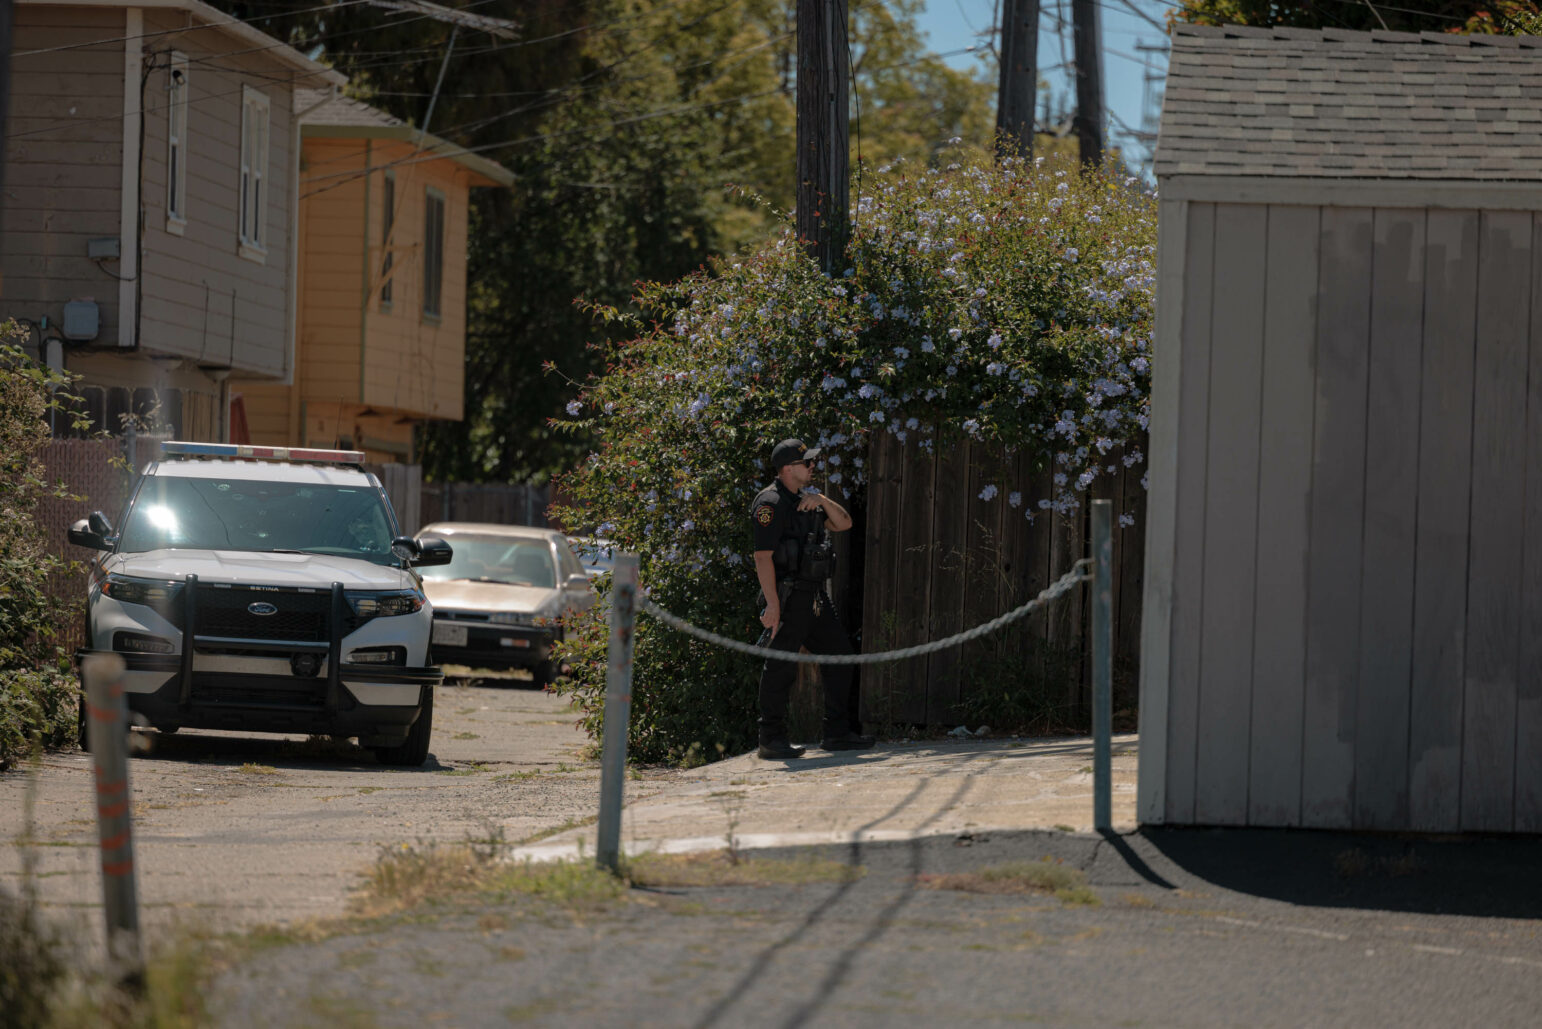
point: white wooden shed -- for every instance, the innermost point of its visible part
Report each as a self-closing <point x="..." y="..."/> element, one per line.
<point x="1343" y="608"/>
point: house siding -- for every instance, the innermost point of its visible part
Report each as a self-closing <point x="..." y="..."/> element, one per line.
<point x="200" y="298"/>
<point x="63" y="163"/>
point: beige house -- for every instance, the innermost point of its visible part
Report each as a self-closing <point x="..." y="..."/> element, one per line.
<point x="382" y="283"/>
<point x="149" y="213"/>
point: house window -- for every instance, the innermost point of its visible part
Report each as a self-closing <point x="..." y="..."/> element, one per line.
<point x="433" y="254"/>
<point x="254" y="173"/>
<point x="176" y="144"/>
<point x="387" y="223"/>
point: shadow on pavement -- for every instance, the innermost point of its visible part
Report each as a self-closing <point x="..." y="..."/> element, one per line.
<point x="314" y="753"/>
<point x="1488" y="877"/>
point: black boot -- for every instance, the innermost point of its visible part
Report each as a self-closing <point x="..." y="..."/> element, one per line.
<point x="845" y="739"/>
<point x="777" y="748"/>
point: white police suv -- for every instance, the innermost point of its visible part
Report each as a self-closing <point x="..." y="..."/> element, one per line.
<point x="267" y="589"/>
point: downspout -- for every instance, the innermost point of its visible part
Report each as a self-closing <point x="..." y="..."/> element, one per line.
<point x="129" y="183"/>
<point x="291" y="354"/>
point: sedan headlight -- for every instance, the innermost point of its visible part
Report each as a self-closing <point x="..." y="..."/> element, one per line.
<point x="385" y="605"/>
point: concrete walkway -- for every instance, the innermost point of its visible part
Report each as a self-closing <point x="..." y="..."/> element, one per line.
<point x="896" y="791"/>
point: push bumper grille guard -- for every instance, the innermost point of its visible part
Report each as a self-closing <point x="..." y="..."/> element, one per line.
<point x="333" y="648"/>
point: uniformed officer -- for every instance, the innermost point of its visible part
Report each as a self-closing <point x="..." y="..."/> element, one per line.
<point x="793" y="558"/>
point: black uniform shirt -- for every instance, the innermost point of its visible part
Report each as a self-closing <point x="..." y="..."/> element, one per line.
<point x="775" y="518"/>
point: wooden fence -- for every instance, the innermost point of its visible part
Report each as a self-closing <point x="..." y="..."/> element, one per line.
<point x="940" y="560"/>
<point x="496" y="502"/>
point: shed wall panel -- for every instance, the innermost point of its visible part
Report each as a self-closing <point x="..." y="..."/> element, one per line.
<point x="1498" y="524"/>
<point x="1391" y="498"/>
<point x="1231" y="515"/>
<point x="1442" y="516"/>
<point x="1189" y="543"/>
<point x="1338" y="504"/>
<point x="1528" y="707"/>
<point x="1284" y="499"/>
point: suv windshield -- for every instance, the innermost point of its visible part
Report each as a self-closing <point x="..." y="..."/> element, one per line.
<point x="518" y="562"/>
<point x="245" y="514"/>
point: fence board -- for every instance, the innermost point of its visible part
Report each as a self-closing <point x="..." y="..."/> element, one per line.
<point x="1231" y="517"/>
<point x="1440" y="547"/>
<point x="1391" y="497"/>
<point x="912" y="591"/>
<point x="1498" y="496"/>
<point x="1338" y="505"/>
<point x="1528" y="708"/>
<point x="1284" y="491"/>
<point x="950" y="580"/>
<point x="1130" y="577"/>
<point x="880" y="577"/>
<point x="1189" y="542"/>
<point x="984" y="594"/>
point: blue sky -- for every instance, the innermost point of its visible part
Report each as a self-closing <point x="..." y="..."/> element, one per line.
<point x="952" y="25"/>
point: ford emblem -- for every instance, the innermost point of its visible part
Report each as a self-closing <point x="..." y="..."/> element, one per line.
<point x="262" y="607"/>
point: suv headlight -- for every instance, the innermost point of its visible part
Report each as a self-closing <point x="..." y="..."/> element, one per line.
<point x="385" y="605"/>
<point x="156" y="593"/>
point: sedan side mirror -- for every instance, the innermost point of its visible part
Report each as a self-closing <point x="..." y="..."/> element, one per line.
<point x="433" y="552"/>
<point x="92" y="532"/>
<point x="577" y="581"/>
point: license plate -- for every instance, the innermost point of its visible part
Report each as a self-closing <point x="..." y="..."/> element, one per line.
<point x="449" y="635"/>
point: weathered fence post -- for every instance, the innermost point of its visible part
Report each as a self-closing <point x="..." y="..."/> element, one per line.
<point x="107" y="733"/>
<point x="618" y="709"/>
<point x="1102" y="662"/>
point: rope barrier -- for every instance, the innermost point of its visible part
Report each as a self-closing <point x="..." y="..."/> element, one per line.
<point x="1079" y="573"/>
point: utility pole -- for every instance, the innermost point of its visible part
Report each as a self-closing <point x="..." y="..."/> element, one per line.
<point x="1089" y="80"/>
<point x="824" y="198"/>
<point x="1019" y="78"/>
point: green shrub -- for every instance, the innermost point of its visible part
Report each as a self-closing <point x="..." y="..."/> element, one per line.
<point x="1006" y="304"/>
<point x="36" y="708"/>
<point x="33" y="962"/>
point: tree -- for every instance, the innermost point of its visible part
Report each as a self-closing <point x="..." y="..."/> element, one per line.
<point x="1510" y="17"/>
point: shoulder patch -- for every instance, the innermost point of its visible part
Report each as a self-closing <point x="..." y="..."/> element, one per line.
<point x="764" y="513"/>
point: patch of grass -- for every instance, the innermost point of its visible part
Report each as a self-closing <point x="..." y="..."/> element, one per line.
<point x="1048" y="875"/>
<point x="465" y="736"/>
<point x="367" y="790"/>
<point x="254" y="769"/>
<point x="458" y="771"/>
<point x="517" y="776"/>
<point x="1136" y="900"/>
<point x="338" y="1011"/>
<point x="1062" y="827"/>
<point x="725" y="868"/>
<point x="556" y="830"/>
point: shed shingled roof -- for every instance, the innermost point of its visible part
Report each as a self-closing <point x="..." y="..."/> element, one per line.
<point x="1337" y="104"/>
<point x="320" y="107"/>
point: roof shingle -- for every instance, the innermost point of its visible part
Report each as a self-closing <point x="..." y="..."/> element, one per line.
<point x="1337" y="104"/>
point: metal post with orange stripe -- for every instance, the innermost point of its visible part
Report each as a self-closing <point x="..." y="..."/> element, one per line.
<point x="106" y="720"/>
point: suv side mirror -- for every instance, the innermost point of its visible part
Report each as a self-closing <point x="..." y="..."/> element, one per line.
<point x="406" y="548"/>
<point x="433" y="552"/>
<point x="577" y="581"/>
<point x="92" y="532"/>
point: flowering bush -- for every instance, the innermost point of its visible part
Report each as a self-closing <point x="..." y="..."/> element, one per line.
<point x="1007" y="304"/>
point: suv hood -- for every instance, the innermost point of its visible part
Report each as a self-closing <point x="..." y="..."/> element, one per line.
<point x="463" y="595"/>
<point x="244" y="567"/>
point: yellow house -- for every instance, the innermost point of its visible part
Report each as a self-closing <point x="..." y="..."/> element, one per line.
<point x="381" y="335"/>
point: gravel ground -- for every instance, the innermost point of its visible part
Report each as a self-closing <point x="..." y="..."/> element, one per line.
<point x="1193" y="929"/>
<point x="233" y="831"/>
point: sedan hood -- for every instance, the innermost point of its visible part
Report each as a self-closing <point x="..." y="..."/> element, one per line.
<point x="242" y="567"/>
<point x="490" y="597"/>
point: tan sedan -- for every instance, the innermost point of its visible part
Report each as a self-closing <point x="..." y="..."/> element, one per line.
<point x="498" y="604"/>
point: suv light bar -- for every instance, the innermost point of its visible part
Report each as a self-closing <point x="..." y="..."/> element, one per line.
<point x="175" y="448"/>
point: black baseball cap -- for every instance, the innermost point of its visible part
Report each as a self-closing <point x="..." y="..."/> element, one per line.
<point x="789" y="451"/>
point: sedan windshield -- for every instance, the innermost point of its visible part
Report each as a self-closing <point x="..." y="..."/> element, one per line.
<point x="243" y="514"/>
<point x="516" y="562"/>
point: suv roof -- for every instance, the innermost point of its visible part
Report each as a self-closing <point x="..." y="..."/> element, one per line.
<point x="262" y="471"/>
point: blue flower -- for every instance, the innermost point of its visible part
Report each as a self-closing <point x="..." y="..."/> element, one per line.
<point x="573" y="408"/>
<point x="988" y="493"/>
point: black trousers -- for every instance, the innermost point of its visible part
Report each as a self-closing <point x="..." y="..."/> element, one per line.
<point x="821" y="634"/>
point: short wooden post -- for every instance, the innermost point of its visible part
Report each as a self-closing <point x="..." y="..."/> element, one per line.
<point x="107" y="733"/>
<point x="1102" y="663"/>
<point x="618" y="709"/>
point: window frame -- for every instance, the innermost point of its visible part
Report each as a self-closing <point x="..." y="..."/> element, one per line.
<point x="433" y="253"/>
<point x="252" y="180"/>
<point x="176" y="142"/>
<point x="388" y="254"/>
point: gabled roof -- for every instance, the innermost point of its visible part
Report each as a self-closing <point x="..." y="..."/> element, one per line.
<point x="201" y="14"/>
<point x="324" y="115"/>
<point x="1331" y="103"/>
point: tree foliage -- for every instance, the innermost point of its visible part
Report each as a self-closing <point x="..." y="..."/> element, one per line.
<point x="1509" y="17"/>
<point x="647" y="136"/>
<point x="1005" y="304"/>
